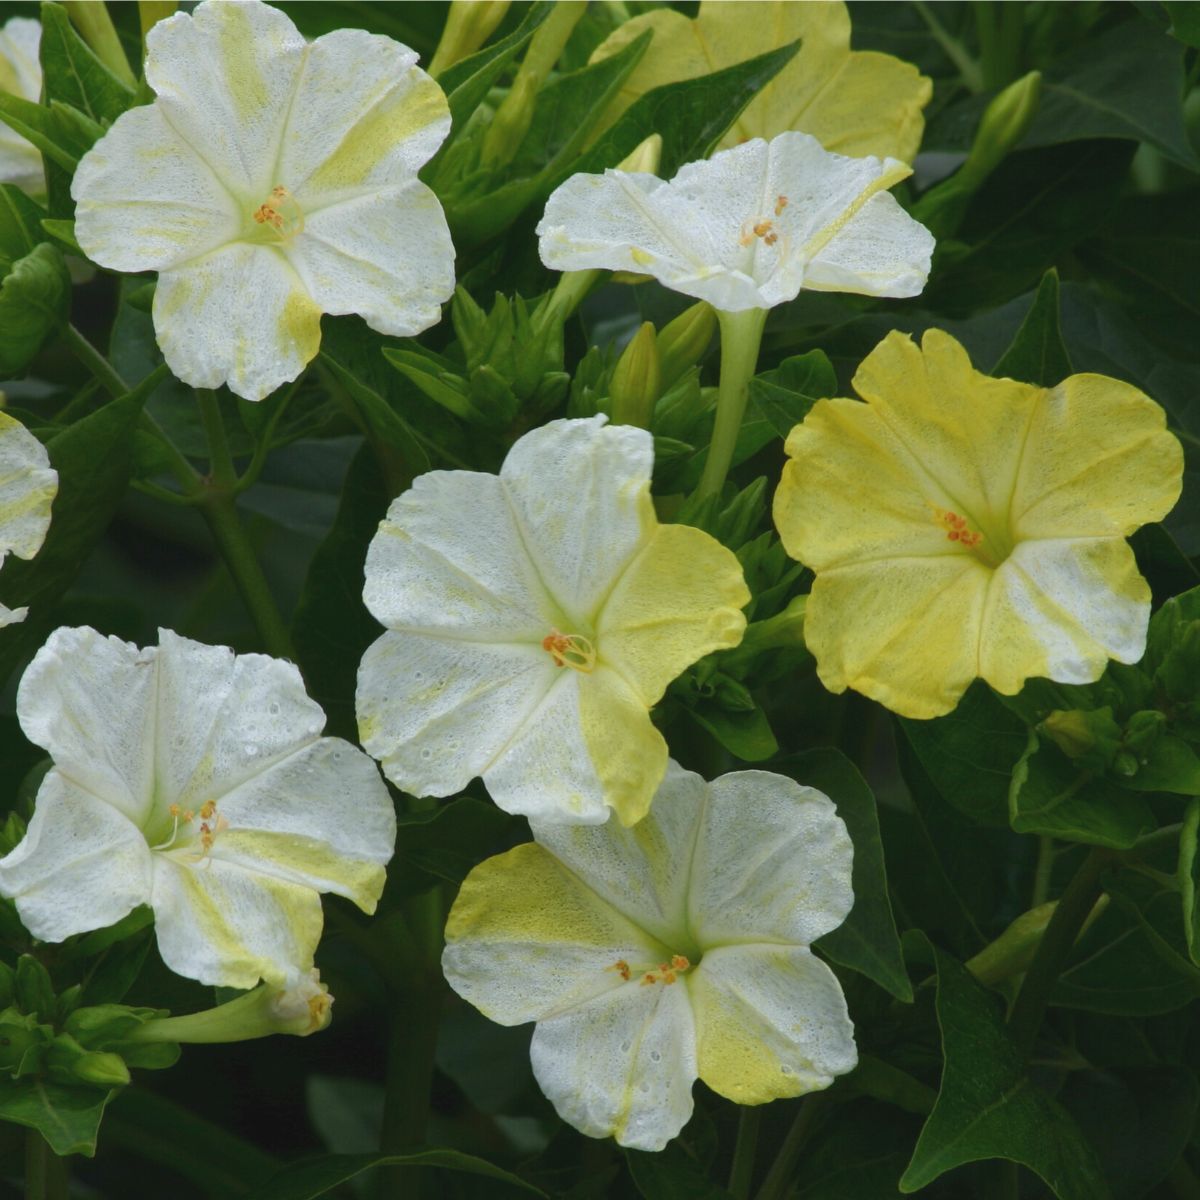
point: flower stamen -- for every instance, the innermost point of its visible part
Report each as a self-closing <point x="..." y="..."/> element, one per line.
<point x="957" y="529"/>
<point x="281" y="213"/>
<point x="668" y="972"/>
<point x="570" y="650"/>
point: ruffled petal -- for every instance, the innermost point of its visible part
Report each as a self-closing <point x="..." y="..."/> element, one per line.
<point x="527" y="939"/>
<point x="238" y="316"/>
<point x="146" y="201"/>
<point x="365" y="116"/>
<point x="82" y="864"/>
<point x="449" y="558"/>
<point x="771" y="1022"/>
<point x="386" y="255"/>
<point x="851" y="493"/>
<point x="678" y="600"/>
<point x="642" y="870"/>
<point x="230" y="927"/>
<point x="436" y="711"/>
<point x="1061" y="609"/>
<point x="588" y="747"/>
<point x="225" y="78"/>
<point x="89" y="702"/>
<point x="1098" y="462"/>
<point x="904" y="631"/>
<point x="320" y="817"/>
<point x="880" y="251"/>
<point x="580" y="492"/>
<point x="772" y="863"/>
<point x="621" y="1065"/>
<point x="28" y="486"/>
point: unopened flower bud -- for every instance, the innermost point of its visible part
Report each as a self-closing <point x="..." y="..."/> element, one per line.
<point x="1090" y="736"/>
<point x="469" y="24"/>
<point x="102" y="1068"/>
<point x="645" y="156"/>
<point x="683" y="341"/>
<point x="1003" y="125"/>
<point x="637" y="380"/>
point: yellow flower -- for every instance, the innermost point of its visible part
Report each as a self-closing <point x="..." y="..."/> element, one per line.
<point x="854" y="102"/>
<point x="962" y="526"/>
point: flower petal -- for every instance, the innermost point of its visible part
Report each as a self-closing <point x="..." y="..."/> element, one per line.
<point x="229" y="927"/>
<point x="1098" y="461"/>
<point x="364" y="116"/>
<point x="146" y="201"/>
<point x="588" y="747"/>
<point x="238" y="316"/>
<point x="527" y="939"/>
<point x="642" y="870"/>
<point x="771" y="1022"/>
<point x="321" y="817"/>
<point x="82" y="864"/>
<point x="880" y="251"/>
<point x="580" y="491"/>
<point x="436" y="711"/>
<point x="28" y="486"/>
<point x="904" y="631"/>
<point x="772" y="863"/>
<point x="20" y="75"/>
<point x="621" y="1065"/>
<point x="1061" y="609"/>
<point x="678" y="600"/>
<point x="65" y="703"/>
<point x="449" y="558"/>
<point x="225" y="78"/>
<point x="851" y="492"/>
<point x="386" y="255"/>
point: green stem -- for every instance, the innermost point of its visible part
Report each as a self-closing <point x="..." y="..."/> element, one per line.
<point x="741" y="335"/>
<point x="779" y="1178"/>
<point x="741" y="1173"/>
<point x="221" y="469"/>
<point x="954" y="50"/>
<point x="45" y="1173"/>
<point x="103" y="371"/>
<point x="1065" y="925"/>
<point x="1042" y="871"/>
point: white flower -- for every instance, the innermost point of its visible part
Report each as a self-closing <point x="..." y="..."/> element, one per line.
<point x="20" y="76"/>
<point x="270" y="181"/>
<point x="673" y="950"/>
<point x="195" y="781"/>
<point x="27" y="490"/>
<point x="747" y="228"/>
<point x="534" y="618"/>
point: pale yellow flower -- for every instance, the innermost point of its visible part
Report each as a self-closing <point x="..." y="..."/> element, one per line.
<point x="28" y="485"/>
<point x="20" y="76"/>
<point x="854" y="102"/>
<point x="962" y="526"/>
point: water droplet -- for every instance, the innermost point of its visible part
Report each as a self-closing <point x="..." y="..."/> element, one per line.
<point x="655" y="1056"/>
<point x="643" y="1087"/>
<point x="273" y="708"/>
<point x="785" y="1069"/>
<point x="426" y="753"/>
<point x="250" y="748"/>
<point x="625" y="1047"/>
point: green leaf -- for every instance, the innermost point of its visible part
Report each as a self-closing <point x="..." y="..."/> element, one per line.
<point x="1188" y="876"/>
<point x="860" y="1154"/>
<point x="987" y="1107"/>
<point x="1052" y="796"/>
<point x="441" y="845"/>
<point x="691" y="116"/>
<point x="34" y="298"/>
<point x="93" y="459"/>
<point x="970" y="753"/>
<point x="63" y="232"/>
<point x="74" y="75"/>
<point x="671" y="1174"/>
<point x="1037" y="354"/>
<point x="316" y="1176"/>
<point x="867" y="940"/>
<point x="1166" y="568"/>
<point x="67" y="1117"/>
<point x="331" y="628"/>
<point x="785" y="395"/>
<point x="63" y="134"/>
<point x="1185" y="21"/>
<point x="745" y="734"/>
<point x="20" y="226"/>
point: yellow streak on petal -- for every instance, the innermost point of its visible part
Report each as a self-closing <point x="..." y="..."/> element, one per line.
<point x="239" y="40"/>
<point x="300" y="324"/>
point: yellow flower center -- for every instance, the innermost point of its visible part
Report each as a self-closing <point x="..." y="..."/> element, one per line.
<point x="570" y="650"/>
<point x="762" y="227"/>
<point x="988" y="546"/>
<point x="279" y="216"/>
<point x="664" y="973"/>
<point x="211" y="824"/>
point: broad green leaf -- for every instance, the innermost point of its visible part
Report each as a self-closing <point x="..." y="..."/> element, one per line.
<point x="93" y="459"/>
<point x="316" y="1176"/>
<point x="1133" y="959"/>
<point x="1052" y="796"/>
<point x="860" y="1154"/>
<point x="785" y="395"/>
<point x="1037" y="354"/>
<point x="1189" y="876"/>
<point x="987" y="1107"/>
<point x="867" y="940"/>
<point x="20" y="226"/>
<point x="35" y="296"/>
<point x="1166" y="568"/>
<point x="63" y="134"/>
<point x="67" y="1117"/>
<point x="1185" y="21"/>
<point x="74" y="75"/>
<point x="671" y="1174"/>
<point x="745" y="734"/>
<point x="691" y="117"/>
<point x="1139" y="1120"/>
<point x="331" y="628"/>
<point x="970" y="753"/>
<point x="489" y="1062"/>
<point x="441" y="845"/>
